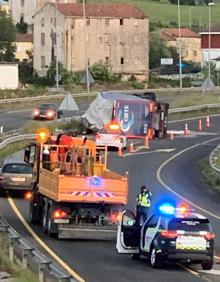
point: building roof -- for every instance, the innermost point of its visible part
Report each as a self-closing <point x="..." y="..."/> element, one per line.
<point x="24" y="37"/>
<point x="213" y="28"/>
<point x="171" y="34"/>
<point x="111" y="10"/>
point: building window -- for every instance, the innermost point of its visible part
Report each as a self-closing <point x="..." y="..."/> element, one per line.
<point x="22" y="3"/>
<point x="42" y="62"/>
<point x="195" y="53"/>
<point x="107" y="38"/>
<point x="43" y="39"/>
<point x="121" y="21"/>
<point x="73" y="23"/>
<point x="51" y="20"/>
<point x="106" y="21"/>
<point x="122" y="61"/>
<point x="42" y="21"/>
<point x="87" y="21"/>
<point x="107" y="60"/>
<point x="55" y="21"/>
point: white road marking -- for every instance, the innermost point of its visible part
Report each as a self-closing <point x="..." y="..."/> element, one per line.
<point x="18" y="111"/>
<point x="212" y="271"/>
<point x="148" y="152"/>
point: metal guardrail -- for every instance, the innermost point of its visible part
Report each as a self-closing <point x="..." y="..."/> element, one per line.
<point x="22" y="252"/>
<point x="215" y="154"/>
<point x="195" y="108"/>
<point x="16" y="138"/>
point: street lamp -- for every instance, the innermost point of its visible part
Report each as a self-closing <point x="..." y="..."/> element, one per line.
<point x="180" y="46"/>
<point x="210" y="5"/>
<point x="57" y="67"/>
<point x="85" y="48"/>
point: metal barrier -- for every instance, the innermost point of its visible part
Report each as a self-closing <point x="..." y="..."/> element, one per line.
<point x="215" y="154"/>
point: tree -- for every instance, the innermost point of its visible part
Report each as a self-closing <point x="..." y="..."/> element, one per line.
<point x="7" y="37"/>
<point x="158" y="50"/>
<point x="22" y="26"/>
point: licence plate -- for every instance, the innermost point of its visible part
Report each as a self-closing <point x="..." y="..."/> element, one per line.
<point x="18" y="179"/>
<point x="42" y="115"/>
<point x="61" y="220"/>
<point x="190" y="243"/>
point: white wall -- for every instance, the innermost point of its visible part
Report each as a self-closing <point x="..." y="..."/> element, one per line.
<point x="214" y="53"/>
<point x="9" y="76"/>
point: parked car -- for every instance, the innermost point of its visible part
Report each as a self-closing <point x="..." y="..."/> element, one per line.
<point x="47" y="111"/>
<point x="15" y="176"/>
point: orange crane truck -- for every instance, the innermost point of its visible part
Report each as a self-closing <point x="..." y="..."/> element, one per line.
<point x="74" y="195"/>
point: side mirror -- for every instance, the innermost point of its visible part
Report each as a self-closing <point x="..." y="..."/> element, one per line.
<point x="27" y="154"/>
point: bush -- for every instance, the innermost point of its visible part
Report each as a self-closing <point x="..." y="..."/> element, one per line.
<point x="100" y="72"/>
<point x="137" y="84"/>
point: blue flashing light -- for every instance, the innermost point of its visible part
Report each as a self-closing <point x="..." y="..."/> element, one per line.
<point x="167" y="209"/>
<point x="95" y="181"/>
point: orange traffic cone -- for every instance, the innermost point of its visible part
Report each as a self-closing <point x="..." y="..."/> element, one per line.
<point x="146" y="142"/>
<point x="171" y="136"/>
<point x="186" y="130"/>
<point x="200" y="125"/>
<point x="131" y="148"/>
<point x="207" y="122"/>
<point x="119" y="151"/>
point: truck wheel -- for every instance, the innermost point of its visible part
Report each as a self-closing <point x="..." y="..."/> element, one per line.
<point x="45" y="219"/>
<point x="155" y="260"/>
<point x="207" y="264"/>
<point x="52" y="228"/>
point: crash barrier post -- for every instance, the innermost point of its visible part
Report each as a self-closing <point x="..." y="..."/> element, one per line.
<point x="186" y="130"/>
<point x="146" y="142"/>
<point x="20" y="251"/>
<point x="200" y="125"/>
<point x="131" y="148"/>
<point x="207" y="121"/>
<point x="119" y="151"/>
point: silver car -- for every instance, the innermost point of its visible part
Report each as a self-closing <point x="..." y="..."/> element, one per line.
<point x="15" y="176"/>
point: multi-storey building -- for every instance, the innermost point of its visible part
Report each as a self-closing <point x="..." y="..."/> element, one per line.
<point x="116" y="34"/>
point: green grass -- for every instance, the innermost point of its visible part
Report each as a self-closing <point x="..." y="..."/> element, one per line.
<point x="165" y="12"/>
<point x="12" y="148"/>
<point x="209" y="176"/>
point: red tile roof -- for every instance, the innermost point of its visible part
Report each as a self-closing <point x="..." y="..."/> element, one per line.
<point x="24" y="37"/>
<point x="171" y="34"/>
<point x="110" y="10"/>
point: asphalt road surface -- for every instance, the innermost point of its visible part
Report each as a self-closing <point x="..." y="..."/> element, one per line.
<point x="98" y="260"/>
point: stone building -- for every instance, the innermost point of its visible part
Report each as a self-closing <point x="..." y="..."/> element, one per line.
<point x="116" y="34"/>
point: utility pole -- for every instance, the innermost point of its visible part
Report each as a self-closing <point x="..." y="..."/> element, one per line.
<point x="57" y="66"/>
<point x="180" y="46"/>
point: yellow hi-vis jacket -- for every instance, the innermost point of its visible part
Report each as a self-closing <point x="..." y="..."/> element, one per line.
<point x="143" y="200"/>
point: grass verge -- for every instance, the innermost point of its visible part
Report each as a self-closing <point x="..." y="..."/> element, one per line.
<point x="13" y="148"/>
<point x="209" y="175"/>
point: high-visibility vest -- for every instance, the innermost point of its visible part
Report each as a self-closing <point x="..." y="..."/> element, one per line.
<point x="143" y="200"/>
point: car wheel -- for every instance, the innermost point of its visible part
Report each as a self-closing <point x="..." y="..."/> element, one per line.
<point x="135" y="256"/>
<point x="207" y="264"/>
<point x="155" y="260"/>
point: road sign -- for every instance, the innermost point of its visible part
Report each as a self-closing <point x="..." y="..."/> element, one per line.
<point x="166" y="61"/>
<point x="59" y="77"/>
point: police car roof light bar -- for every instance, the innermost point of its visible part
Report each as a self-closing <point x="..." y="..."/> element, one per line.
<point x="167" y="209"/>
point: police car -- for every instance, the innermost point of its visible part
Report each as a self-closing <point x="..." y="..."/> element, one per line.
<point x="170" y="234"/>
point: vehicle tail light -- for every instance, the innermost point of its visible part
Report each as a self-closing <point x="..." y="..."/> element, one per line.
<point x="115" y="216"/>
<point x="168" y="234"/>
<point x="36" y="113"/>
<point x="114" y="126"/>
<point x="50" y="113"/>
<point x="27" y="195"/>
<point x="209" y="236"/>
<point x="59" y="214"/>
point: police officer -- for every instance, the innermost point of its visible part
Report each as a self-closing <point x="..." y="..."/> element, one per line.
<point x="143" y="204"/>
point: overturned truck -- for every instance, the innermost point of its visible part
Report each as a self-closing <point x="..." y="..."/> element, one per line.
<point x="136" y="116"/>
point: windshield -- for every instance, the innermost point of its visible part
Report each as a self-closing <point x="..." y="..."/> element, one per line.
<point x="187" y="224"/>
<point x="17" y="168"/>
<point x="46" y="107"/>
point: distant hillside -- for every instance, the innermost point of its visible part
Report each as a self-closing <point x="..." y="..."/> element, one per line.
<point x="162" y="13"/>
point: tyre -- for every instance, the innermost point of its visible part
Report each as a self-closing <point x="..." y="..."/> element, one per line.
<point x="207" y="264"/>
<point x="155" y="260"/>
<point x="51" y="227"/>
<point x="135" y="256"/>
<point x="45" y="219"/>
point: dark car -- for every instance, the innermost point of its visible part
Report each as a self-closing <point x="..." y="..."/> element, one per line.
<point x="47" y="111"/>
<point x="16" y="176"/>
<point x="170" y="235"/>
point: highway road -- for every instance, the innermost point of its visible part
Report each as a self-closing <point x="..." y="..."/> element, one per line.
<point x="175" y="172"/>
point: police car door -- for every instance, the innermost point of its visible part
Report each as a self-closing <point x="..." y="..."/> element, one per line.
<point x="128" y="235"/>
<point x="149" y="231"/>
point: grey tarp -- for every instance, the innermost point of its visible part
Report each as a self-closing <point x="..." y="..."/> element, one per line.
<point x="100" y="110"/>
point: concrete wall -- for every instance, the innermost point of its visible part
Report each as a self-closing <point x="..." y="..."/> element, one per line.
<point x="9" y="76"/>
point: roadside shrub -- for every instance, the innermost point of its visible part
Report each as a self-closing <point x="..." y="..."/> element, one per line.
<point x="137" y="84"/>
<point x="100" y="72"/>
